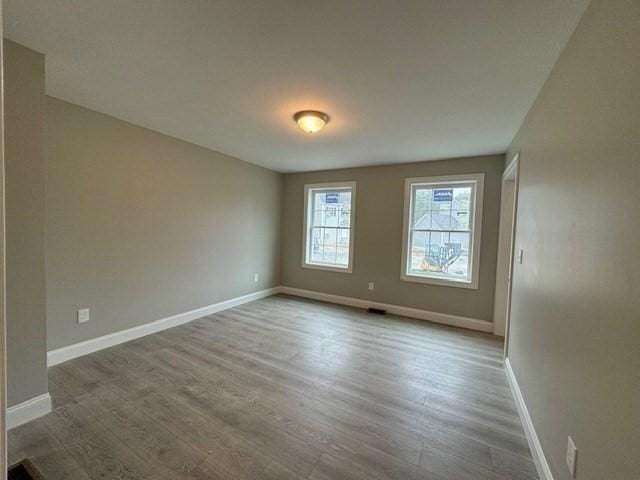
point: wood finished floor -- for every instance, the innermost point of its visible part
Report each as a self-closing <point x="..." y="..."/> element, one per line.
<point x="283" y="388"/>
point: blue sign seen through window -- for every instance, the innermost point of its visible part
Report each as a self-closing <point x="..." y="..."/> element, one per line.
<point x="442" y="195"/>
<point x="332" y="198"/>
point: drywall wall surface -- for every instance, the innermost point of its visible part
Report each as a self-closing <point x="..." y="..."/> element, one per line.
<point x="378" y="237"/>
<point x="574" y="340"/>
<point x="24" y="110"/>
<point x="141" y="226"/>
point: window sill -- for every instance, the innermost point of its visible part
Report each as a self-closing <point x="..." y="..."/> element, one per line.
<point x="440" y="281"/>
<point x="328" y="268"/>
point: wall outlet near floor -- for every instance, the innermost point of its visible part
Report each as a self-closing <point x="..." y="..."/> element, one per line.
<point x="83" y="315"/>
<point x="572" y="456"/>
<point x="256" y="277"/>
<point x="371" y="285"/>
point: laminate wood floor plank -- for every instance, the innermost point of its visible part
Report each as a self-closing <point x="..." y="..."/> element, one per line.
<point x="359" y="322"/>
<point x="435" y="359"/>
<point x="385" y="433"/>
<point x="288" y="389"/>
<point x="372" y="390"/>
<point x="414" y="387"/>
<point x="358" y="332"/>
<point x="291" y="401"/>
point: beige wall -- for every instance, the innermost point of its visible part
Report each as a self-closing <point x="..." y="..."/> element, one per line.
<point x="25" y="222"/>
<point x="575" y="328"/>
<point x="378" y="238"/>
<point x="141" y="226"/>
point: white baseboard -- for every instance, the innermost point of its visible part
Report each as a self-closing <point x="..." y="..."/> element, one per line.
<point x="59" y="355"/>
<point x="544" y="471"/>
<point x="444" y="318"/>
<point x="29" y="410"/>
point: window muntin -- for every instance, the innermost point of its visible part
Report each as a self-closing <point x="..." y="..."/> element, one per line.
<point x="442" y="230"/>
<point x="328" y="242"/>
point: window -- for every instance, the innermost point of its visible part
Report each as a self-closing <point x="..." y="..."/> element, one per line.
<point x="442" y="224"/>
<point x="328" y="233"/>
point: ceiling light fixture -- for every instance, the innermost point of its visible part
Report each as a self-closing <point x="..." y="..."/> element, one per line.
<point x="311" y="121"/>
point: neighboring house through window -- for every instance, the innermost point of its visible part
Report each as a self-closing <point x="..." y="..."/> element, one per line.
<point x="442" y="224"/>
<point x="328" y="233"/>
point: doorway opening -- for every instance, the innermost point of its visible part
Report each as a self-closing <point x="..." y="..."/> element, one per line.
<point x="506" y="245"/>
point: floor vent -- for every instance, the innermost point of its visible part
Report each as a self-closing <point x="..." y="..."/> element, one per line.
<point x="24" y="470"/>
<point x="377" y="311"/>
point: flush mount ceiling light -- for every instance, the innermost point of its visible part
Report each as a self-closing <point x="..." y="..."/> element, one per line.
<point x="311" y="121"/>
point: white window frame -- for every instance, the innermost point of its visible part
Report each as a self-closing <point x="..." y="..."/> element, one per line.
<point x="475" y="219"/>
<point x="308" y="189"/>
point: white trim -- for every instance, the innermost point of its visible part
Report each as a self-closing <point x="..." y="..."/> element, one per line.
<point x="3" y="280"/>
<point x="443" y="318"/>
<point x="539" y="459"/>
<point x="28" y="410"/>
<point x="476" y="233"/>
<point x="327" y="268"/>
<point x="513" y="169"/>
<point x="352" y="222"/>
<point x="510" y="172"/>
<point x="54" y="357"/>
<point x="504" y="267"/>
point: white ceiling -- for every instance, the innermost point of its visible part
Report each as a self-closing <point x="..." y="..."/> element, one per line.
<point x="402" y="81"/>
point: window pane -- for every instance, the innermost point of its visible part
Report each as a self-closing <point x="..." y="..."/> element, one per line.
<point x="440" y="254"/>
<point x="319" y="201"/>
<point x="329" y="224"/>
<point x="459" y="243"/>
<point x="343" y="237"/>
<point x="316" y="245"/>
<point x="345" y="216"/>
<point x="318" y="218"/>
<point x="343" y="256"/>
<point x="441" y="208"/>
<point x="330" y="245"/>
<point x="418" y="244"/>
<point x="461" y="218"/>
<point x="440" y="228"/>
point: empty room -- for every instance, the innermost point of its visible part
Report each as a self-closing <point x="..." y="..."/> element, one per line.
<point x="336" y="240"/>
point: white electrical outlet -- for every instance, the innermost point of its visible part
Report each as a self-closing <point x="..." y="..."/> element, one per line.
<point x="83" y="315"/>
<point x="255" y="278"/>
<point x="371" y="285"/>
<point x="572" y="456"/>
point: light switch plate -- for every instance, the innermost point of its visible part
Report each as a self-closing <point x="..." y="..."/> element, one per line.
<point x="520" y="255"/>
<point x="572" y="456"/>
<point x="255" y="278"/>
<point x="83" y="315"/>
<point x="371" y="285"/>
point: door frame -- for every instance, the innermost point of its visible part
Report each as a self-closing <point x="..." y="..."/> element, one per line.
<point x="511" y="174"/>
<point x="3" y="357"/>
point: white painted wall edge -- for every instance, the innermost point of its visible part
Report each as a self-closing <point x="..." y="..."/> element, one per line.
<point x="59" y="355"/>
<point x="28" y="410"/>
<point x="544" y="471"/>
<point x="443" y="318"/>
